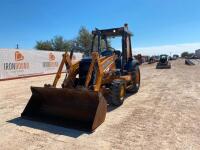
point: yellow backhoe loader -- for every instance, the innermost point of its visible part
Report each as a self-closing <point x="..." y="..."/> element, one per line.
<point x="89" y="86"/>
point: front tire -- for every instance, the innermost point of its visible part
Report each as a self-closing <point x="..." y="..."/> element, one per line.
<point x="118" y="92"/>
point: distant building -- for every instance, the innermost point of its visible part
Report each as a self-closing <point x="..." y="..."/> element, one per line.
<point x="197" y="53"/>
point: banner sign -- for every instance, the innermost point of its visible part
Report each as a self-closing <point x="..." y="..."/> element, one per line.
<point x="15" y="63"/>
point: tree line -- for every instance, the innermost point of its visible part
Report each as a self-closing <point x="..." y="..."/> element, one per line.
<point x="82" y="43"/>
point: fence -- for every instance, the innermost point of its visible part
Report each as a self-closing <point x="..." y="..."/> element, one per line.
<point x="15" y="63"/>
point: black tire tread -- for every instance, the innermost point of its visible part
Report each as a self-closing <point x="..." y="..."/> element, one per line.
<point x="135" y="88"/>
<point x="115" y="92"/>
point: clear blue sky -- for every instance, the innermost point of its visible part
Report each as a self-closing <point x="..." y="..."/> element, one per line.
<point x="153" y="22"/>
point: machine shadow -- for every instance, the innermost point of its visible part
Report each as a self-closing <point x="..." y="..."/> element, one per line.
<point x="111" y="107"/>
<point x="47" y="127"/>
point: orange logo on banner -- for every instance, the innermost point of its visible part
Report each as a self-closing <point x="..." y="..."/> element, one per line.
<point x="18" y="56"/>
<point x="51" y="57"/>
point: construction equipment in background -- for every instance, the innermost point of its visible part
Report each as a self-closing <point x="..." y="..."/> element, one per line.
<point x="193" y="59"/>
<point x="91" y="84"/>
<point x="175" y="57"/>
<point x="151" y="60"/>
<point x="189" y="62"/>
<point x="163" y="62"/>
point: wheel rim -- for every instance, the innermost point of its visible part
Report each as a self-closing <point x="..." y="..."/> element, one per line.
<point x="137" y="80"/>
<point x="122" y="92"/>
<point x="137" y="77"/>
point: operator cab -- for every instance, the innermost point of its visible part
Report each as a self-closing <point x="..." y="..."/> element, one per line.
<point x="164" y="58"/>
<point x="124" y="57"/>
<point x="124" y="61"/>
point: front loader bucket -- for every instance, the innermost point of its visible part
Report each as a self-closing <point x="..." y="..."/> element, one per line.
<point x="74" y="108"/>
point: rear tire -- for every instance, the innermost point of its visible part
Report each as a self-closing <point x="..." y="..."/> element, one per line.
<point x="136" y="81"/>
<point x="118" y="92"/>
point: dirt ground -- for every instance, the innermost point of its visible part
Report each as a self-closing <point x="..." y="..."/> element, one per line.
<point x="164" y="114"/>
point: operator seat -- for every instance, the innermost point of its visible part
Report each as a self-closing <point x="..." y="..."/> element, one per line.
<point x="118" y="61"/>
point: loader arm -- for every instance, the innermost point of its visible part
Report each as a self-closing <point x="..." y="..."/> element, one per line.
<point x="95" y="58"/>
<point x="69" y="80"/>
<point x="66" y="60"/>
<point x="104" y="64"/>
